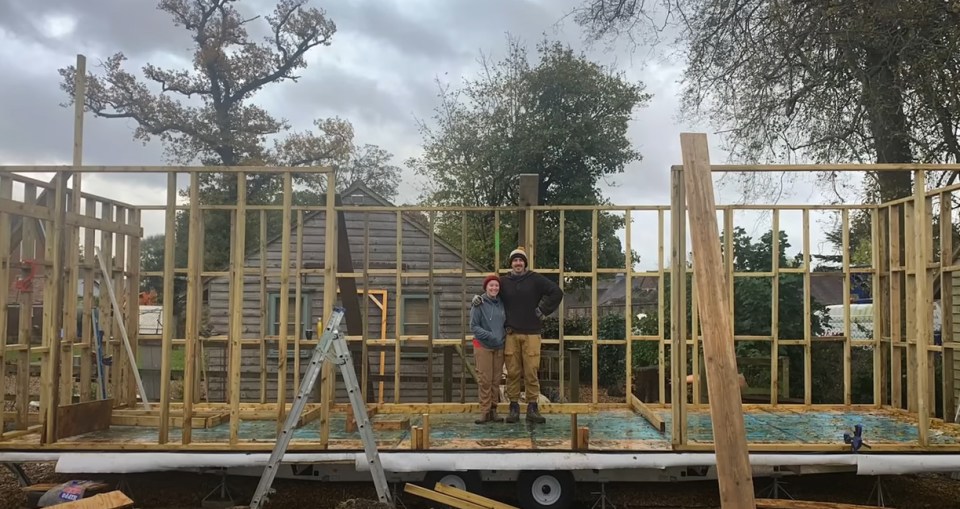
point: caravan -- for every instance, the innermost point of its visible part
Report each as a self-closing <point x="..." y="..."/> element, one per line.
<point x="861" y="321"/>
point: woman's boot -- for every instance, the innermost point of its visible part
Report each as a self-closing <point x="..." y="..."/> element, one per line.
<point x="484" y="418"/>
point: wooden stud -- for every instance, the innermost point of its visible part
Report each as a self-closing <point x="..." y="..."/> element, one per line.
<point x="733" y="466"/>
<point x="594" y="319"/>
<point x="847" y="330"/>
<point x="924" y="308"/>
<point x="262" y="279"/>
<point x="193" y="311"/>
<point x="561" y="339"/>
<point x="661" y="303"/>
<point x="398" y="306"/>
<point x="463" y="309"/>
<point x="122" y="364"/>
<point x="364" y="349"/>
<point x="87" y="353"/>
<point x="910" y="261"/>
<point x="807" y="329"/>
<point x="425" y="430"/>
<point x="878" y="303"/>
<point x="431" y="321"/>
<point x="775" y="310"/>
<point x="678" y="307"/>
<point x="298" y="308"/>
<point x="133" y="306"/>
<point x="946" y="306"/>
<point x="628" y="305"/>
<point x="882" y="304"/>
<point x="53" y="299"/>
<point x="169" y="302"/>
<point x="28" y="253"/>
<point x="6" y="192"/>
<point x="897" y="301"/>
<point x="328" y="393"/>
<point x="284" y="300"/>
<point x="236" y="314"/>
<point x="574" y="435"/>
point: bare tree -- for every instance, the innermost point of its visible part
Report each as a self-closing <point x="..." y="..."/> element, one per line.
<point x="207" y="113"/>
<point x="829" y="81"/>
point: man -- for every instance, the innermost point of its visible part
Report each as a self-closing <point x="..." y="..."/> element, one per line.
<point x="527" y="297"/>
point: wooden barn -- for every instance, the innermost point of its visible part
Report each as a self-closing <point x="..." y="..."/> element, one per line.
<point x="417" y="311"/>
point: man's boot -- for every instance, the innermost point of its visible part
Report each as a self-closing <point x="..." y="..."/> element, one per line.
<point x="533" y="414"/>
<point x="493" y="415"/>
<point x="514" y="415"/>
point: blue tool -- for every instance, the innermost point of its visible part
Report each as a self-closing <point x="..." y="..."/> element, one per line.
<point x="855" y="440"/>
<point x="98" y="337"/>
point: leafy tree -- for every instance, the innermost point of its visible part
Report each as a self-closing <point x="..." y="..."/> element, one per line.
<point x="208" y="114"/>
<point x="564" y="118"/>
<point x="830" y="81"/>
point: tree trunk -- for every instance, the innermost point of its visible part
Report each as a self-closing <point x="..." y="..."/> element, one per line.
<point x="887" y="121"/>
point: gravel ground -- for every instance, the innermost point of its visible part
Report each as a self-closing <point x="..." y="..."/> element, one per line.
<point x="185" y="491"/>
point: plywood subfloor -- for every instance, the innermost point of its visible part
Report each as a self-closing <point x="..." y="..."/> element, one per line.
<point x="610" y="430"/>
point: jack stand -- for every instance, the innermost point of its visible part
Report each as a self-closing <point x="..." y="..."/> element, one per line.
<point x="124" y="485"/>
<point x="225" y="499"/>
<point x="398" y="495"/>
<point x="603" y="500"/>
<point x="775" y="489"/>
<point x="18" y="472"/>
<point x="878" y="489"/>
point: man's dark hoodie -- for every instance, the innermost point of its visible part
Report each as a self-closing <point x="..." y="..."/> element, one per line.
<point x="522" y="294"/>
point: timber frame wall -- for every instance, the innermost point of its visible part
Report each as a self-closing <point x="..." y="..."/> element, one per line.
<point x="897" y="352"/>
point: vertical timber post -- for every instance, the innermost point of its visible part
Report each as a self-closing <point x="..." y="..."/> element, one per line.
<point x="678" y="308"/>
<point x="529" y="197"/>
<point x="730" y="441"/>
<point x="924" y="306"/>
<point x="327" y="385"/>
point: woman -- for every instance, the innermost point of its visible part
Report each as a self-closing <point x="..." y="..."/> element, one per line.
<point x="487" y="323"/>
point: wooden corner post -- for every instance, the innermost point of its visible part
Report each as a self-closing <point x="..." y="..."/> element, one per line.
<point x="730" y="441"/>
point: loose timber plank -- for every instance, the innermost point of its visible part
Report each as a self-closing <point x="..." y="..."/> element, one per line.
<point x="80" y="418"/>
<point x="442" y="498"/>
<point x="733" y="465"/>
<point x="775" y="503"/>
<point x="110" y="500"/>
<point x="647" y="413"/>
<point x="471" y="497"/>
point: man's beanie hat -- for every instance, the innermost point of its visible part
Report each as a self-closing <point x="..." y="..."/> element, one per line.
<point x="518" y="253"/>
<point x="491" y="277"/>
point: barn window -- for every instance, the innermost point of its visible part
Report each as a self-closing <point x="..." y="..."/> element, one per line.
<point x="415" y="313"/>
<point x="273" y="314"/>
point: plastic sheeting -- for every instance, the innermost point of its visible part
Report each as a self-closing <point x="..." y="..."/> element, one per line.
<point x="405" y="462"/>
<point x="132" y="462"/>
<point x="420" y="462"/>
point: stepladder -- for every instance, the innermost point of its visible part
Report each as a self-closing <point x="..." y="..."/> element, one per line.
<point x="332" y="346"/>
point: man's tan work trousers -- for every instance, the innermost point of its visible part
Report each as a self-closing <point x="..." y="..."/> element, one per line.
<point x="522" y="354"/>
<point x="489" y="370"/>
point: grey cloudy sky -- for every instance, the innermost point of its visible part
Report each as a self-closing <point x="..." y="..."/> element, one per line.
<point x="379" y="73"/>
